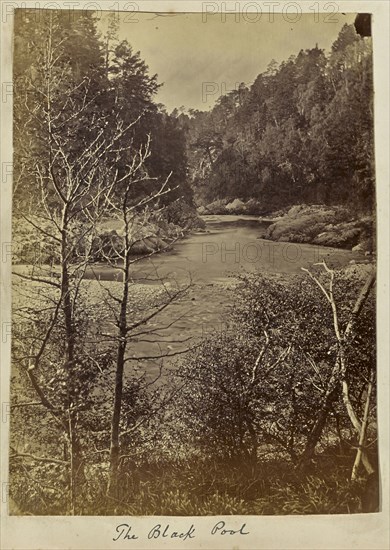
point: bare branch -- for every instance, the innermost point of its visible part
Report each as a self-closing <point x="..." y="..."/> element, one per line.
<point x="37" y="458"/>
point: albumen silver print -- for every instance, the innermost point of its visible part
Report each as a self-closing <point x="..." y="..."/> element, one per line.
<point x="195" y="334"/>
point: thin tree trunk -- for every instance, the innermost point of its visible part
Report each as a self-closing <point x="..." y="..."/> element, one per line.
<point x="339" y="433"/>
<point x="319" y="425"/>
<point x="69" y="419"/>
<point x="360" y="454"/>
<point x="112" y="489"/>
<point x="74" y="444"/>
<point x="114" y="446"/>
<point x="334" y="385"/>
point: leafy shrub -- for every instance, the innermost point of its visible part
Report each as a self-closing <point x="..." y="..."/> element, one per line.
<point x="260" y="384"/>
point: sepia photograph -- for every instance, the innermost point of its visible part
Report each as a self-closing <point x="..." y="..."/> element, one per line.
<point x="194" y="260"/>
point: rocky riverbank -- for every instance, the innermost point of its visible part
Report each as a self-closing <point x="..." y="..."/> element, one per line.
<point x="332" y="226"/>
<point x="323" y="225"/>
<point x="32" y="241"/>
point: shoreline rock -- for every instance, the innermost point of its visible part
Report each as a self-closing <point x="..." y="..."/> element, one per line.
<point x="153" y="236"/>
<point x="323" y="225"/>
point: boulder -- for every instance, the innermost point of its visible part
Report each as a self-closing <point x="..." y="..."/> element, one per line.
<point x="237" y="206"/>
<point x="253" y="206"/>
<point x="202" y="210"/>
<point x="217" y="207"/>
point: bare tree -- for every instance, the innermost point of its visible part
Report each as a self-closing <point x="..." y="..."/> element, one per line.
<point x="75" y="189"/>
<point x="79" y="186"/>
<point x="339" y="378"/>
<point x="134" y="214"/>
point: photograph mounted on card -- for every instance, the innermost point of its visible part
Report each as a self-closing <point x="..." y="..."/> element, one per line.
<point x="194" y="337"/>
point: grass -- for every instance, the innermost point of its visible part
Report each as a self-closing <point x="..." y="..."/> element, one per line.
<point x="213" y="488"/>
<point x="210" y="487"/>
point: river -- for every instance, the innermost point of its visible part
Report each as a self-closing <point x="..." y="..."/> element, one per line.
<point x="229" y="245"/>
<point x="212" y="259"/>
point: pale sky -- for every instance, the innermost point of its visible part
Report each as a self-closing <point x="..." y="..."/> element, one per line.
<point x="198" y="60"/>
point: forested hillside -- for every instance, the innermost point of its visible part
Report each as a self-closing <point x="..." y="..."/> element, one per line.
<point x="302" y="132"/>
<point x="68" y="67"/>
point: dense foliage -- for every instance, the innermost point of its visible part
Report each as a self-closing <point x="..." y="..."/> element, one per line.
<point x="100" y="77"/>
<point x="226" y="432"/>
<point x="257" y="387"/>
<point x="302" y="132"/>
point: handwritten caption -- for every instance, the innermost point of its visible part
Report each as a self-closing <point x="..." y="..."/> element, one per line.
<point x="125" y="531"/>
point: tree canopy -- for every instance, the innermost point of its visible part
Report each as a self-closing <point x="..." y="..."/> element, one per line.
<point x="303" y="132"/>
<point x="99" y="76"/>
